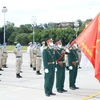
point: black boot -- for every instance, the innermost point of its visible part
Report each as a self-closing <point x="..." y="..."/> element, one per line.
<point x="18" y="76"/>
<point x="31" y="65"/>
<point x="5" y="66"/>
<point x="34" y="68"/>
<point x="1" y="69"/>
<point x="38" y="73"/>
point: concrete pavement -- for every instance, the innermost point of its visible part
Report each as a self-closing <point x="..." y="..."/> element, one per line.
<point x="30" y="87"/>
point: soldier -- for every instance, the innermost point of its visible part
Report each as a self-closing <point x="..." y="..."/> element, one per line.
<point x="60" y="74"/>
<point x="73" y="67"/>
<point x="5" y="55"/>
<point x="38" y="59"/>
<point x="34" y="56"/>
<point x="30" y="53"/>
<point x="49" y="67"/>
<point x="17" y="51"/>
<point x="79" y="55"/>
<point x="1" y="57"/>
<point x="42" y="48"/>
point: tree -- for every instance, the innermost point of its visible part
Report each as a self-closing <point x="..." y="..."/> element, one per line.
<point x="12" y="37"/>
<point x="22" y="38"/>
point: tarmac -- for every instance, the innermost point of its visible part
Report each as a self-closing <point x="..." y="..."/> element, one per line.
<point x="31" y="86"/>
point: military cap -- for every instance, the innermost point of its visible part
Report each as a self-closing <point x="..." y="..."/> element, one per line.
<point x="57" y="41"/>
<point x="4" y="43"/>
<point x="49" y="39"/>
<point x="18" y="45"/>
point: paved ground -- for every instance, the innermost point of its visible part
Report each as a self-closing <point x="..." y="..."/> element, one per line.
<point x="30" y="87"/>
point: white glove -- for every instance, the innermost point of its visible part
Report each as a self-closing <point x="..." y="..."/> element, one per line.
<point x="46" y="71"/>
<point x="70" y="67"/>
<point x="67" y="50"/>
<point x="55" y="69"/>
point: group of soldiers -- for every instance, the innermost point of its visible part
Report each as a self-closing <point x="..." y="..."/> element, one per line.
<point x="52" y="58"/>
<point x="54" y="61"/>
<point x="35" y="52"/>
<point x="3" y="57"/>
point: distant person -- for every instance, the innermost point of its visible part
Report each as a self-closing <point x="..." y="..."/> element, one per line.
<point x="73" y="67"/>
<point x="38" y="59"/>
<point x="1" y="57"/>
<point x="5" y="55"/>
<point x="42" y="48"/>
<point x="18" y="53"/>
<point x="29" y="52"/>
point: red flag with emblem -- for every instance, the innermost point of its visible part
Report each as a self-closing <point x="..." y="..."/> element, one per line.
<point x="89" y="43"/>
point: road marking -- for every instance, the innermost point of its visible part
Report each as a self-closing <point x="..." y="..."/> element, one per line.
<point x="19" y="88"/>
<point x="91" y="96"/>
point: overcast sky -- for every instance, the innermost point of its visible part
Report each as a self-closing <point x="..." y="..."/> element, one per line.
<point x="21" y="11"/>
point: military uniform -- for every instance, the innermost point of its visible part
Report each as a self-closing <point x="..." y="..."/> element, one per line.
<point x="31" y="56"/>
<point x="49" y="67"/>
<point x="60" y="64"/>
<point x="79" y="55"/>
<point x="38" y="60"/>
<point x="1" y="58"/>
<point x="29" y="48"/>
<point x="60" y="74"/>
<point x="73" y="68"/>
<point x="34" y="58"/>
<point x="18" y="54"/>
<point x="5" y="56"/>
<point x="49" y="63"/>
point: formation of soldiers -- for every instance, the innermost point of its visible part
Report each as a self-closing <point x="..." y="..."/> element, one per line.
<point x="54" y="61"/>
<point x="3" y="57"/>
<point x="52" y="58"/>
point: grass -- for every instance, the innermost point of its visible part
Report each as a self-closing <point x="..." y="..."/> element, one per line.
<point x="12" y="47"/>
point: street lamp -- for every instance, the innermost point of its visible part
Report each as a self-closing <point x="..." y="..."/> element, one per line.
<point x="33" y="25"/>
<point x="76" y="27"/>
<point x="4" y="10"/>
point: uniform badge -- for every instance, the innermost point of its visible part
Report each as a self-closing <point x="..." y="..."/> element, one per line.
<point x="53" y="52"/>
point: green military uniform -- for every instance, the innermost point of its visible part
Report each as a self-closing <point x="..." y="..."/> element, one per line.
<point x="49" y="64"/>
<point x="73" y="58"/>
<point x="60" y="74"/>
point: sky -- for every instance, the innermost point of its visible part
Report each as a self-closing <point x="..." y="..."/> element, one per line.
<point x="44" y="11"/>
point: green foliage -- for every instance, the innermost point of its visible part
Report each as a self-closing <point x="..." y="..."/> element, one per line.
<point x="22" y="38"/>
<point x="24" y="33"/>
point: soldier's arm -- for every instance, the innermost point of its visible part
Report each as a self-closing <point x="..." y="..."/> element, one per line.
<point x="45" y="62"/>
<point x="14" y="51"/>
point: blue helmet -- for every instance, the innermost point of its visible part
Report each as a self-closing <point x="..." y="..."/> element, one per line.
<point x="18" y="45"/>
<point x="4" y="43"/>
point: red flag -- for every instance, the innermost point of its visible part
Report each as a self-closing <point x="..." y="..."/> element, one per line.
<point x="89" y="43"/>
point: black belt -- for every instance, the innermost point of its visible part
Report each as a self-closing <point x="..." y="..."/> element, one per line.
<point x="18" y="56"/>
<point x="38" y="56"/>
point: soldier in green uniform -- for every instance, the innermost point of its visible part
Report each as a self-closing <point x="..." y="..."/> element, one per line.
<point x="73" y="67"/>
<point x="60" y="74"/>
<point x="49" y="67"/>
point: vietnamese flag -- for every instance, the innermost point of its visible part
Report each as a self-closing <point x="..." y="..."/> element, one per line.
<point x="89" y="43"/>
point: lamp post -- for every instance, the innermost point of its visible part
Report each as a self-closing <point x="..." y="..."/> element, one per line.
<point x="33" y="26"/>
<point x="4" y="10"/>
<point x="76" y="27"/>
